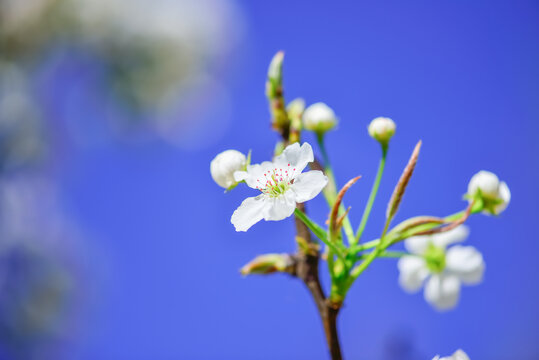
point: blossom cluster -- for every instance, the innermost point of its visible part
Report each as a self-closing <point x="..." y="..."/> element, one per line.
<point x="433" y="258"/>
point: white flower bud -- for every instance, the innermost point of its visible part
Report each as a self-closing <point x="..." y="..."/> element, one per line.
<point x="319" y="118"/>
<point x="223" y="166"/>
<point x="494" y="193"/>
<point x="276" y="66"/>
<point x="382" y="129"/>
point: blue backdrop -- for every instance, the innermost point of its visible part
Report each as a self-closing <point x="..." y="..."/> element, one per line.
<point x="463" y="76"/>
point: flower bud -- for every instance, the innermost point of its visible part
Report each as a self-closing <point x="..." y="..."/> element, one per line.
<point x="319" y="118"/>
<point x="276" y="67"/>
<point x="494" y="193"/>
<point x="382" y="129"/>
<point x="223" y="166"/>
<point x="267" y="264"/>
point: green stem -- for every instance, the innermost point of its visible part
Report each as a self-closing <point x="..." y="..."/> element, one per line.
<point x="358" y="270"/>
<point x="331" y="193"/>
<point x="319" y="232"/>
<point x="380" y="245"/>
<point x="386" y="254"/>
<point x="365" y="246"/>
<point x="372" y="196"/>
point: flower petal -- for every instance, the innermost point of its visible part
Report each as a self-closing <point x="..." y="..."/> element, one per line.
<point x="280" y="207"/>
<point x="457" y="355"/>
<point x="309" y="184"/>
<point x="249" y="212"/>
<point x="413" y="272"/>
<point x="466" y="263"/>
<point x="442" y="291"/>
<point x="505" y="195"/>
<point x="417" y="244"/>
<point x="253" y="174"/>
<point x="458" y="234"/>
<point x="298" y="157"/>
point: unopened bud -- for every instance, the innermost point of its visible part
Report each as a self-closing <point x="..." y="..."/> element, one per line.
<point x="494" y="193"/>
<point x="319" y="118"/>
<point x="382" y="129"/>
<point x="267" y="264"/>
<point x="295" y="108"/>
<point x="276" y="66"/>
<point x="223" y="166"/>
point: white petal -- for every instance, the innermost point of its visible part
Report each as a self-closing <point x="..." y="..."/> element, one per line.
<point x="442" y="291"/>
<point x="487" y="181"/>
<point x="413" y="272"/>
<point x="240" y="175"/>
<point x="505" y="195"/>
<point x="281" y="207"/>
<point x="466" y="263"/>
<point x="253" y="174"/>
<point x="457" y="355"/>
<point x="298" y="157"/>
<point x="223" y="166"/>
<point x="309" y="184"/>
<point x="417" y="244"/>
<point x="458" y="234"/>
<point x="249" y="212"/>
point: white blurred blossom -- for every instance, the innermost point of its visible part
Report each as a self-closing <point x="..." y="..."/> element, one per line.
<point x="443" y="270"/>
<point x="160" y="57"/>
<point x="457" y="355"/>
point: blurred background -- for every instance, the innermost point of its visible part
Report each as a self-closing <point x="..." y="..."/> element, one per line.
<point x="116" y="244"/>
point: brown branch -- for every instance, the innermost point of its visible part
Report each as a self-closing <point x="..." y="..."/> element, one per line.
<point x="306" y="263"/>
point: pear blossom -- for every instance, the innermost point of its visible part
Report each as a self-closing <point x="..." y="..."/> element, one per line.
<point x="442" y="270"/>
<point x="457" y="355"/>
<point x="382" y="129"/>
<point x="494" y="193"/>
<point x="281" y="183"/>
<point x="319" y="118"/>
<point x="223" y="166"/>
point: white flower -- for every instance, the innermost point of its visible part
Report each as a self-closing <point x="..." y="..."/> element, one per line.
<point x="281" y="184"/>
<point x="319" y="118"/>
<point x="382" y="129"/>
<point x="495" y="194"/>
<point x="457" y="355"/>
<point x="445" y="270"/>
<point x="223" y="166"/>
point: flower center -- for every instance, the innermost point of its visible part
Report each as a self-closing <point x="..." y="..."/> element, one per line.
<point x="435" y="258"/>
<point x="277" y="181"/>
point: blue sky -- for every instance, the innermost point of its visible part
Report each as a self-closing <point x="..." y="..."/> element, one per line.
<point x="163" y="261"/>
